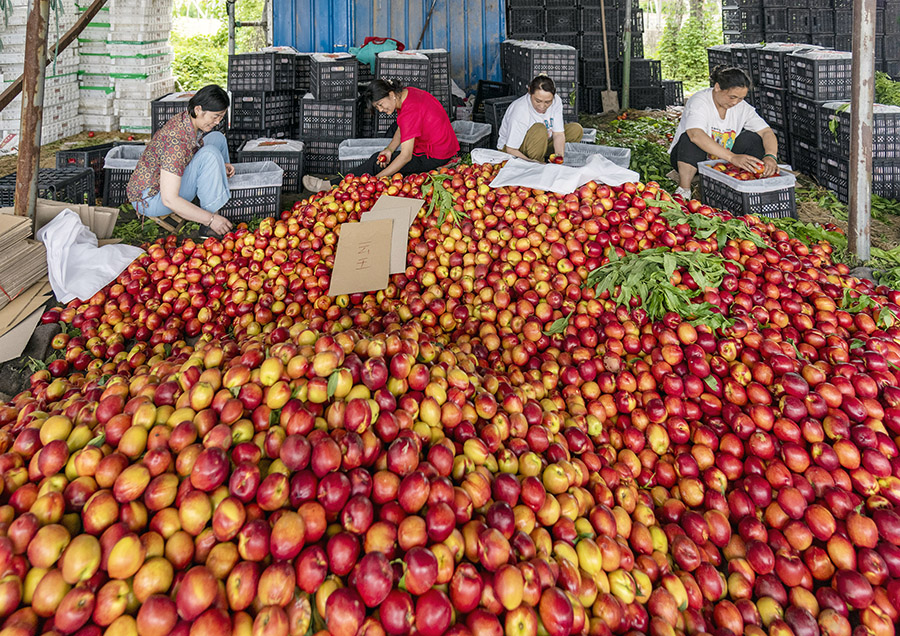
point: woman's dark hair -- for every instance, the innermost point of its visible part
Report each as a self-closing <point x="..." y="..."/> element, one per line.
<point x="542" y="83"/>
<point x="212" y="98"/>
<point x="728" y="77"/>
<point x="379" y="89"/>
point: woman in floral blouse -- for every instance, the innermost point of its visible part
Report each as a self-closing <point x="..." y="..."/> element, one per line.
<point x="181" y="162"/>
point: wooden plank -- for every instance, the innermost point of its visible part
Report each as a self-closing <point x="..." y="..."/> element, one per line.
<point x="70" y="36"/>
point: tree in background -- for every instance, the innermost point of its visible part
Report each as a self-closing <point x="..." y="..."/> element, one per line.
<point x="688" y="31"/>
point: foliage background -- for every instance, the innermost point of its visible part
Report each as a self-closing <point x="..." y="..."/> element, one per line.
<point x="685" y="38"/>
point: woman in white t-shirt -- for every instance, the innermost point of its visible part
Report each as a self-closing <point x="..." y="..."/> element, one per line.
<point x="533" y="126"/>
<point x="718" y="123"/>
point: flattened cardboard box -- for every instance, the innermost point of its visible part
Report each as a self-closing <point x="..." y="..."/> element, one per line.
<point x="363" y="258"/>
<point x="402" y="212"/>
<point x="99" y="220"/>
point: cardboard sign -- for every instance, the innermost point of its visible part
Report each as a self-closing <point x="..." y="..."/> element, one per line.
<point x="403" y="213"/>
<point x="363" y="257"/>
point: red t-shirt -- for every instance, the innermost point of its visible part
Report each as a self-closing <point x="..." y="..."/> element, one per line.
<point x="422" y="117"/>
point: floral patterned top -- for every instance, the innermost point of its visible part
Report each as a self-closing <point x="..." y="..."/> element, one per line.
<point x="171" y="149"/>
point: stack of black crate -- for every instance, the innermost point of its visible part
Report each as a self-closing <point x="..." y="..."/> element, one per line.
<point x="523" y="60"/>
<point x="327" y="114"/>
<point x="262" y="96"/>
<point x="738" y="55"/>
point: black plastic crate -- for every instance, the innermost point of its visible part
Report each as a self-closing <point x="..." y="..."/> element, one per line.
<point x="332" y="118"/>
<point x="843" y="21"/>
<point x="772" y="105"/>
<point x="799" y="20"/>
<point x="741" y="19"/>
<point x="822" y="21"/>
<point x="262" y="72"/>
<point x="835" y="131"/>
<point x="115" y="180"/>
<point x="796" y="38"/>
<point x="784" y="148"/>
<point x="237" y="136"/>
<point x="525" y="4"/>
<point x="591" y="100"/>
<point x="487" y="90"/>
<point x="410" y="70"/>
<point x="643" y="73"/>
<point x="371" y="123"/>
<point x="332" y="77"/>
<point x="440" y="76"/>
<point x="558" y="62"/>
<point x="825" y="40"/>
<point x="162" y="111"/>
<point x="494" y="110"/>
<point x="820" y="75"/>
<point x="591" y="20"/>
<point x="569" y="39"/>
<point x="86" y="157"/>
<point x="805" y="119"/>
<point x="776" y="20"/>
<point x="593" y="74"/>
<point x="644" y="97"/>
<point x="321" y="156"/>
<point x="719" y="56"/>
<point x="562" y="20"/>
<point x="834" y="174"/>
<point x="773" y="64"/>
<point x="592" y="46"/>
<point x="742" y="57"/>
<point x="892" y="17"/>
<point x="301" y="67"/>
<point x="674" y="90"/>
<point x="526" y="22"/>
<point x="71" y="185"/>
<point x="776" y="204"/>
<point x="248" y="204"/>
<point x="364" y="73"/>
<point x="891" y="50"/>
<point x="842" y="4"/>
<point x="805" y="156"/>
<point x="262" y="109"/>
<point x="291" y="161"/>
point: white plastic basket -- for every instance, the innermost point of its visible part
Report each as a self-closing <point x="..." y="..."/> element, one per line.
<point x="589" y="136"/>
<point x="785" y="180"/>
<point x="472" y="134"/>
<point x="124" y="157"/>
<point x="353" y="152"/>
<point x="577" y="154"/>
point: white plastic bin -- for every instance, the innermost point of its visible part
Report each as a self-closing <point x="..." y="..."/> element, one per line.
<point x="352" y="153"/>
<point x="472" y="134"/>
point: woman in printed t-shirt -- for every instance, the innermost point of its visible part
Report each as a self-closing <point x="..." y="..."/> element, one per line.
<point x="533" y="126"/>
<point x="423" y="133"/>
<point x="718" y="123"/>
<point x="180" y="163"/>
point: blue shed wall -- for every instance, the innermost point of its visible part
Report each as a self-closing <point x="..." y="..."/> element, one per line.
<point x="470" y="29"/>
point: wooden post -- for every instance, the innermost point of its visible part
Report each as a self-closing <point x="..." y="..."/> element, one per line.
<point x="32" y="108"/>
<point x="229" y="9"/>
<point x="861" y="116"/>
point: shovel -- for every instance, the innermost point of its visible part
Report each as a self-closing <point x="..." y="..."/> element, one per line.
<point x="609" y="98"/>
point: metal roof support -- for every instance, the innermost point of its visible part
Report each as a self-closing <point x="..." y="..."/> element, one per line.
<point x="32" y="108"/>
<point x="861" y="117"/>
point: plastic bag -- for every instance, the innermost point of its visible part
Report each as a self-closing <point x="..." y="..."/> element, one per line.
<point x="77" y="268"/>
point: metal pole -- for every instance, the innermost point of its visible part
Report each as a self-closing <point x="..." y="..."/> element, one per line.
<point x="32" y="108"/>
<point x="861" y="116"/>
<point x="626" y="59"/>
<point x="229" y="7"/>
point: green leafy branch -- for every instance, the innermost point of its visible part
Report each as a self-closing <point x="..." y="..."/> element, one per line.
<point x="441" y="198"/>
<point x="706" y="226"/>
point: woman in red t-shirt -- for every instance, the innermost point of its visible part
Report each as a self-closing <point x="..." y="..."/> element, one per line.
<point x="423" y="133"/>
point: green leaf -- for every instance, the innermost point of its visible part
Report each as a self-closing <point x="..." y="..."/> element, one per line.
<point x="558" y="326"/>
<point x="333" y="382"/>
<point x="712" y="382"/>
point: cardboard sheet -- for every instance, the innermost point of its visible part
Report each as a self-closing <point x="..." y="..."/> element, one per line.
<point x="363" y="259"/>
<point x="24" y="304"/>
<point x="402" y="212"/>
<point x="13" y="343"/>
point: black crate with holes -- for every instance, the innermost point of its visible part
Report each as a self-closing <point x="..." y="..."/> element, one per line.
<point x="822" y="21"/>
<point x="891" y="51"/>
<point x="440" y="76"/>
<point x="799" y="20"/>
<point x="71" y="185"/>
<point x="674" y="90"/>
<point x="834" y="174"/>
<point x="643" y="73"/>
<point x="562" y="20"/>
<point x="250" y="200"/>
<point x="591" y="100"/>
<point x="591" y="20"/>
<point x="262" y="110"/>
<point x="820" y="75"/>
<point x="744" y="37"/>
<point x="364" y="73"/>
<point x="825" y="40"/>
<point x="526" y="62"/>
<point x="410" y="70"/>
<point x="772" y="105"/>
<point x="892" y="17"/>
<point x="494" y="110"/>
<point x="805" y="156"/>
<point x="776" y="21"/>
<point x="291" y="161"/>
<point x="162" y="110"/>
<point x="835" y="131"/>
<point x="262" y="72"/>
<point x="332" y="77"/>
<point x="719" y="56"/>
<point x="236" y="136"/>
<point x="301" y="63"/>
<point x="592" y="46"/>
<point x="772" y="61"/>
<point x="843" y="21"/>
<point x="330" y="118"/>
<point x="777" y="203"/>
<point x="525" y="4"/>
<point x="487" y="90"/>
<point x="741" y="19"/>
<point x="593" y="73"/>
<point x="805" y="119"/>
<point x="820" y="4"/>
<point x="784" y="148"/>
<point x="568" y="39"/>
<point x="647" y="97"/>
<point x="743" y="58"/>
<point x="88" y="156"/>
<point x="320" y="156"/>
<point x="117" y="173"/>
<point x="526" y="22"/>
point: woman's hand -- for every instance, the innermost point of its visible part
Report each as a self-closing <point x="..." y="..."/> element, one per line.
<point x="747" y="162"/>
<point x="770" y="166"/>
<point x="384" y="158"/>
<point x="229" y="170"/>
<point x="218" y="223"/>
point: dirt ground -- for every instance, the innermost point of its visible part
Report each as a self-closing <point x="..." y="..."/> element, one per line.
<point x="48" y="151"/>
